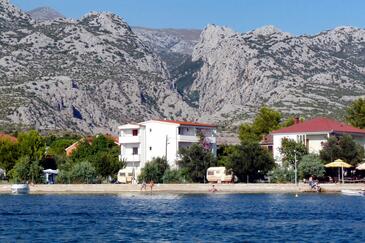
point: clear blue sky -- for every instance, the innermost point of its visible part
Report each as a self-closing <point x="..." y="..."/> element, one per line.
<point x="294" y="16"/>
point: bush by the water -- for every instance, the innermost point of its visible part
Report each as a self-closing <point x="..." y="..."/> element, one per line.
<point x="311" y="165"/>
<point x="154" y="170"/>
<point x="176" y="176"/>
<point x="282" y="174"/>
<point x="81" y="172"/>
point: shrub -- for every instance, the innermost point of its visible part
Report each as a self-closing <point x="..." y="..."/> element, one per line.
<point x="282" y="175"/>
<point x="154" y="170"/>
<point x="311" y="164"/>
<point x="176" y="176"/>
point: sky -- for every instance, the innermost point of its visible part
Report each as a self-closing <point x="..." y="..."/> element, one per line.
<point x="294" y="16"/>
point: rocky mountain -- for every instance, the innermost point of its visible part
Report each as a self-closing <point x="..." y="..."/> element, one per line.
<point x="302" y="75"/>
<point x="42" y="14"/>
<point x="88" y="75"/>
<point x="97" y="72"/>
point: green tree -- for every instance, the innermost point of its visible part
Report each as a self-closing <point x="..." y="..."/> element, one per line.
<point x="248" y="161"/>
<point x="176" y="176"/>
<point x="265" y="121"/>
<point x="195" y="160"/>
<point x="281" y="174"/>
<point x="154" y="170"/>
<point x="35" y="172"/>
<point x="58" y="146"/>
<point x="31" y="144"/>
<point x="356" y="113"/>
<point x="291" y="150"/>
<point x="82" y="172"/>
<point x="20" y="171"/>
<point x="344" y="148"/>
<point x="8" y="154"/>
<point x="102" y="152"/>
<point x="309" y="165"/>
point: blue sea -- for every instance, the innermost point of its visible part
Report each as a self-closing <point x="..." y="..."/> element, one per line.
<point x="182" y="218"/>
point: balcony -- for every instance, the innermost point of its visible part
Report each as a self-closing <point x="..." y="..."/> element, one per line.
<point x="129" y="139"/>
<point x="187" y="138"/>
<point x="130" y="157"/>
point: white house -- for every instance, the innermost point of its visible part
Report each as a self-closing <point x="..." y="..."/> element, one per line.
<point x="141" y="142"/>
<point x="313" y="134"/>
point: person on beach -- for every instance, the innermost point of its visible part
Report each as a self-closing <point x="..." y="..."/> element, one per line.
<point x="213" y="189"/>
<point x="152" y="184"/>
<point x="144" y="185"/>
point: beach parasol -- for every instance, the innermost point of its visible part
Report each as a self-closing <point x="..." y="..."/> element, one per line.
<point x="361" y="167"/>
<point x="338" y="163"/>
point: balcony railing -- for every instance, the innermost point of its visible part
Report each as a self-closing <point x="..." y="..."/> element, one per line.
<point x="129" y="139"/>
<point x="130" y="157"/>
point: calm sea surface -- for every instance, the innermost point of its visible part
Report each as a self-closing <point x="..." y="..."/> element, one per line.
<point x="182" y="218"/>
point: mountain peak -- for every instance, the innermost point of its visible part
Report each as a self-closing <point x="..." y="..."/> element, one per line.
<point x="42" y="14"/>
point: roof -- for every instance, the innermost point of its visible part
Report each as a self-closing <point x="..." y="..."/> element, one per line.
<point x="320" y="124"/>
<point x="4" y="136"/>
<point x="186" y="123"/>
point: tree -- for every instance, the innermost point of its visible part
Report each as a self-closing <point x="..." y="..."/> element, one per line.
<point x="8" y="154"/>
<point x="248" y="161"/>
<point x="344" y="148"/>
<point x="20" y="171"/>
<point x="265" y="121"/>
<point x="309" y="165"/>
<point x="35" y="172"/>
<point x="154" y="170"/>
<point x="291" y="150"/>
<point x="176" y="176"/>
<point x="247" y="133"/>
<point x="82" y="172"/>
<point x="195" y="160"/>
<point x="356" y="113"/>
<point x="103" y="153"/>
<point x="32" y="144"/>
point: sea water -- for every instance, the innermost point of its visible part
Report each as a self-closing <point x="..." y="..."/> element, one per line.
<point x="182" y="218"/>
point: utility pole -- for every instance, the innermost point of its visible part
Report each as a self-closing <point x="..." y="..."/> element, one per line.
<point x="295" y="168"/>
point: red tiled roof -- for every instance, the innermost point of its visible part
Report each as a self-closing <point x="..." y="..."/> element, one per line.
<point x="8" y="137"/>
<point x="188" y="123"/>
<point x="320" y="124"/>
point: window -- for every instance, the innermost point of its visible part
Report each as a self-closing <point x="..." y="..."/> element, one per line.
<point x="121" y="174"/>
<point x="210" y="172"/>
<point x="150" y="148"/>
<point x="135" y="151"/>
<point x="135" y="132"/>
<point x="150" y="129"/>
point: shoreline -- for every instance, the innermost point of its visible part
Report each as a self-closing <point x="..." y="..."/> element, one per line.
<point x="250" y="188"/>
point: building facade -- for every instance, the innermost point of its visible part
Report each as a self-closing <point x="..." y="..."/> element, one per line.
<point x="141" y="142"/>
<point x="313" y="134"/>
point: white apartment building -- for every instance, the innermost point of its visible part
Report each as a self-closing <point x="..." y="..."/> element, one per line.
<point x="141" y="142"/>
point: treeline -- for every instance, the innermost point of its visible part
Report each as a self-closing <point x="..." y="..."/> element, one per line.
<point x="94" y="160"/>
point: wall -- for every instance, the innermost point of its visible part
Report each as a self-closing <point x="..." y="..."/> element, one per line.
<point x="156" y="134"/>
<point x="315" y="142"/>
<point x="277" y="138"/>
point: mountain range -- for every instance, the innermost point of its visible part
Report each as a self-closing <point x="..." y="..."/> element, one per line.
<point x="92" y="74"/>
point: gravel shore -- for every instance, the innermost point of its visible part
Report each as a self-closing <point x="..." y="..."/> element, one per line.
<point x="179" y="188"/>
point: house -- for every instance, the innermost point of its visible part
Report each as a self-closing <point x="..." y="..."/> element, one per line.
<point x="267" y="143"/>
<point x="314" y="133"/>
<point x="141" y="142"/>
<point x="70" y="149"/>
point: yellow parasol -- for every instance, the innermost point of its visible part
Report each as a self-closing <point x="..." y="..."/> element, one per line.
<point x="338" y="163"/>
<point x="361" y="167"/>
